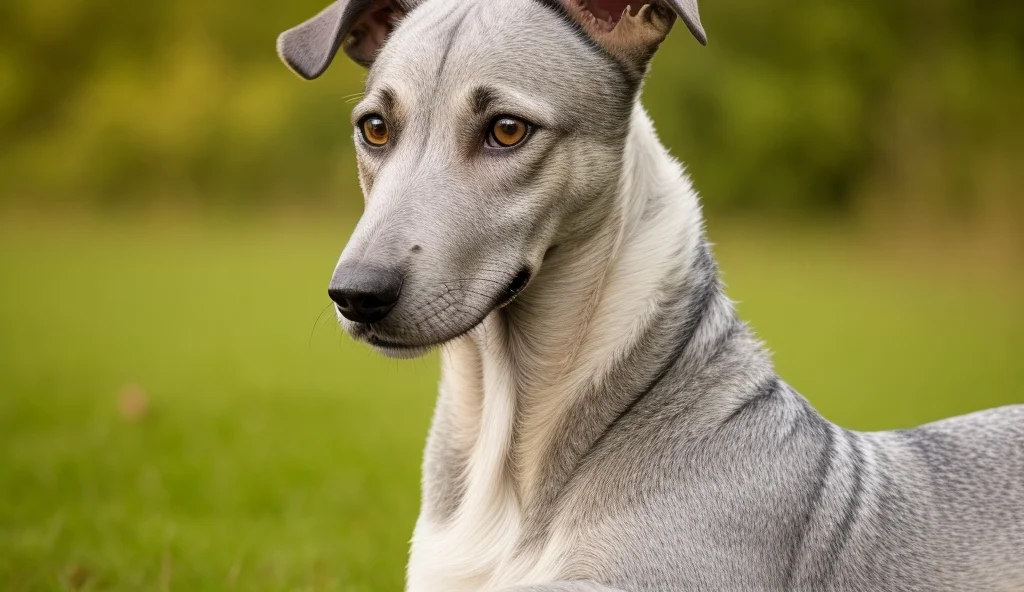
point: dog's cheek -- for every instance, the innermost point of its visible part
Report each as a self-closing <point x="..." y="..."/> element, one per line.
<point x="590" y="199"/>
<point x="367" y="175"/>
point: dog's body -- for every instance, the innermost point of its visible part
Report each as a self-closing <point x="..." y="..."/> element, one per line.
<point x="614" y="426"/>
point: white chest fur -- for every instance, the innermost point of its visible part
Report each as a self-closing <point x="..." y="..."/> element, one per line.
<point x="474" y="557"/>
<point x="478" y="547"/>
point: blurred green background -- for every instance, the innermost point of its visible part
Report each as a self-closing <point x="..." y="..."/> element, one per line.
<point x="178" y="409"/>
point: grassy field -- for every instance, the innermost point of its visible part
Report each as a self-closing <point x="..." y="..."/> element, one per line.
<point x="177" y="414"/>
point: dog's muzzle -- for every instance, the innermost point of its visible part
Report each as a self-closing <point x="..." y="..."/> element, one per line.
<point x="365" y="294"/>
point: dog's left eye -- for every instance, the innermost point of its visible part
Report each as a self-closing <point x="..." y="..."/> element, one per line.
<point x="506" y="132"/>
<point x="375" y="130"/>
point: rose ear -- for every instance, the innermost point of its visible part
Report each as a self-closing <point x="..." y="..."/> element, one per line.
<point x="687" y="10"/>
<point x="359" y="26"/>
<point x="633" y="34"/>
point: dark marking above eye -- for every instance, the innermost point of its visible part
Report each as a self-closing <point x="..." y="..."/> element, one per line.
<point x="416" y="248"/>
<point x="388" y="101"/>
<point x="482" y="99"/>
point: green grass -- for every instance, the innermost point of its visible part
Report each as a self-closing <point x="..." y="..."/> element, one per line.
<point x="278" y="455"/>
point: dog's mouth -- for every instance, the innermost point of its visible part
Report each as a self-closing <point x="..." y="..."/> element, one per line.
<point x="394" y="349"/>
<point x="397" y="349"/>
<point x="397" y="343"/>
<point x="515" y="287"/>
<point x="386" y="343"/>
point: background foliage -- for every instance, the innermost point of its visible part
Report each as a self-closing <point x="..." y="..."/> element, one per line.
<point x="796" y="105"/>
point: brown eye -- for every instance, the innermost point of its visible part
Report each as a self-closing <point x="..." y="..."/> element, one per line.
<point x="375" y="131"/>
<point x="506" y="132"/>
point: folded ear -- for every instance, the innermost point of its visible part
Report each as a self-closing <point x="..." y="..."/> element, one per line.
<point x="687" y="10"/>
<point x="632" y="30"/>
<point x="360" y="26"/>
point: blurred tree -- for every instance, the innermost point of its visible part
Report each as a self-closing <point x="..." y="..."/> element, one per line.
<point x="808" y="105"/>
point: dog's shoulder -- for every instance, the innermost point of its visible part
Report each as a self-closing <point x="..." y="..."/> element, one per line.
<point x="991" y="437"/>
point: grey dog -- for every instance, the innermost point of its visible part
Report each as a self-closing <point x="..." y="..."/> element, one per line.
<point x="605" y="421"/>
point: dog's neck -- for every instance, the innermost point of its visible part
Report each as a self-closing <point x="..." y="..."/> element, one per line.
<point x="529" y="392"/>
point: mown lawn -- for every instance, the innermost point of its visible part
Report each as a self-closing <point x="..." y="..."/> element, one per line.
<point x="176" y="413"/>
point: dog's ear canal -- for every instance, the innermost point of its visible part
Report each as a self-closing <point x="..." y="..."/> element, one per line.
<point x="632" y="30"/>
<point x="360" y="27"/>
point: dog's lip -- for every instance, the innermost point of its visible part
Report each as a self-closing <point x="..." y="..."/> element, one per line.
<point x="367" y="333"/>
<point x="378" y="342"/>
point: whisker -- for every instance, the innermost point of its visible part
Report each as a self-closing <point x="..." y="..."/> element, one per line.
<point x="316" y="324"/>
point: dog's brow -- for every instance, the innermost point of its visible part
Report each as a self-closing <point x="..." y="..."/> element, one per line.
<point x="386" y="99"/>
<point x="509" y="102"/>
<point x="483" y="96"/>
<point x="383" y="101"/>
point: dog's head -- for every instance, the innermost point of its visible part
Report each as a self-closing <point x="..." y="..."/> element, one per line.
<point x="490" y="131"/>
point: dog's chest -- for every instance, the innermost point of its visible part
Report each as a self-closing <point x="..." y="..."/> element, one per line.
<point x="484" y="554"/>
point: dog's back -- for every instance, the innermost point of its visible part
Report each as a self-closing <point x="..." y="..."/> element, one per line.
<point x="777" y="498"/>
<point x="962" y="481"/>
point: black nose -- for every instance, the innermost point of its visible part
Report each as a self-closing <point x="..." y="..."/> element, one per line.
<point x="365" y="294"/>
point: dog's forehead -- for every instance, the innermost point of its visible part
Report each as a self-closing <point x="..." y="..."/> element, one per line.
<point x="521" y="43"/>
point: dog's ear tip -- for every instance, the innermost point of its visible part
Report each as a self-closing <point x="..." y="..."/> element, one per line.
<point x="687" y="9"/>
<point x="303" y="75"/>
<point x="697" y="30"/>
<point x="288" y="53"/>
<point x="309" y="48"/>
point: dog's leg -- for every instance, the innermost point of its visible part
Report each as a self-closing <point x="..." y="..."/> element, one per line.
<point x="564" y="587"/>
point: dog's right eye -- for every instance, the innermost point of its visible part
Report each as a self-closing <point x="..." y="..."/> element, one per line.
<point x="506" y="132"/>
<point x="375" y="130"/>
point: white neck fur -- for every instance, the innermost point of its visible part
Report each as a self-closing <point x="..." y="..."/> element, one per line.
<point x="506" y="385"/>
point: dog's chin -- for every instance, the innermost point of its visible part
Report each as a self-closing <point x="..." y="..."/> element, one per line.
<point x="398" y="352"/>
<point x="391" y="347"/>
